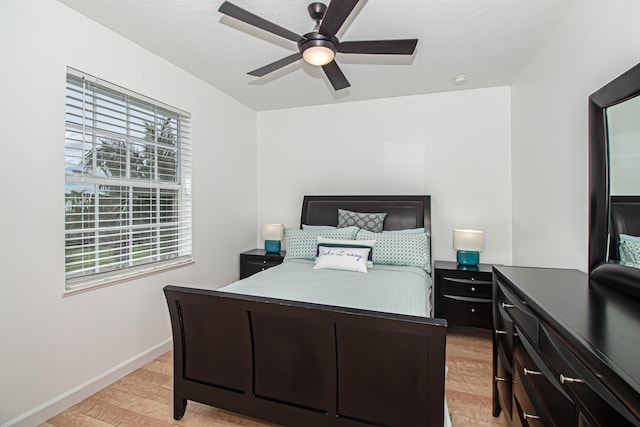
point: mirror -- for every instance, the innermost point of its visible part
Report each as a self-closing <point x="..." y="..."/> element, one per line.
<point x="614" y="179"/>
<point x="623" y="126"/>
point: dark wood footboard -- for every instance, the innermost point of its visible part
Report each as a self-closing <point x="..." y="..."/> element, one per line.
<point x="300" y="364"/>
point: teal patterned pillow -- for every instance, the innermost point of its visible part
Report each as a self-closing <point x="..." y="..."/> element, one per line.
<point x="399" y="248"/>
<point x="302" y="244"/>
<point x="629" y="249"/>
<point x="366" y="221"/>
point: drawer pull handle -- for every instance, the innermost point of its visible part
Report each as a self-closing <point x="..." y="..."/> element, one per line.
<point x="530" y="416"/>
<point x="530" y="372"/>
<point x="500" y="379"/>
<point x="499" y="332"/>
<point x="505" y="305"/>
<point x="567" y="380"/>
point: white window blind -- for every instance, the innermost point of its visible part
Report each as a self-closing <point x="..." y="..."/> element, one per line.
<point x="128" y="183"/>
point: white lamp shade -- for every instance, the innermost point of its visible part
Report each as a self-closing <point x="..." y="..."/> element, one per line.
<point x="272" y="231"/>
<point x="468" y="240"/>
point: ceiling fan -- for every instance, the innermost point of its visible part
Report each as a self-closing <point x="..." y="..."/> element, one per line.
<point x="319" y="46"/>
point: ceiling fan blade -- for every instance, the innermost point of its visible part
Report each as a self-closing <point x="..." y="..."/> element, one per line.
<point x="382" y="47"/>
<point x="263" y="71"/>
<point x="334" y="17"/>
<point x="335" y="76"/>
<point x="240" y="14"/>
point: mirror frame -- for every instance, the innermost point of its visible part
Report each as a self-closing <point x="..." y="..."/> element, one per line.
<point x="621" y="89"/>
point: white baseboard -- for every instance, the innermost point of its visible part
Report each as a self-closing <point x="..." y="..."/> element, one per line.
<point x="64" y="401"/>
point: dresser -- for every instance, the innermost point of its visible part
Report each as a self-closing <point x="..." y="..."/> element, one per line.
<point x="566" y="350"/>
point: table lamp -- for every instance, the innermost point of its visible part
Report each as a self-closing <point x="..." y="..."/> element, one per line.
<point x="272" y="235"/>
<point x="468" y="243"/>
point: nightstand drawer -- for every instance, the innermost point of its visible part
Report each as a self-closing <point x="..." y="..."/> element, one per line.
<point x="465" y="287"/>
<point x="256" y="266"/>
<point x="466" y="311"/>
<point x="257" y="260"/>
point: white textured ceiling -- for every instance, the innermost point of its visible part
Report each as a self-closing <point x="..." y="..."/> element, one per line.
<point x="487" y="40"/>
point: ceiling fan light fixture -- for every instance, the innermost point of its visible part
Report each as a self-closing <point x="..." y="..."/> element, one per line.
<point x="318" y="55"/>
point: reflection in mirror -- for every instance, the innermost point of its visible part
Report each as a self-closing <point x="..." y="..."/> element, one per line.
<point x="623" y="124"/>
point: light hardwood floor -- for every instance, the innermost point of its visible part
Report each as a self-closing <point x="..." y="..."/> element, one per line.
<point x="144" y="397"/>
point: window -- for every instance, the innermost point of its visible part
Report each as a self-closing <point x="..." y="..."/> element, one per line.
<point x="127" y="187"/>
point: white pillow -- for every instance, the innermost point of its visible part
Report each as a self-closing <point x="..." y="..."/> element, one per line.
<point x="349" y="259"/>
<point x="325" y="241"/>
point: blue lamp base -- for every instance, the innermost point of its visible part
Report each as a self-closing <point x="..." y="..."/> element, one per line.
<point x="468" y="257"/>
<point x="272" y="246"/>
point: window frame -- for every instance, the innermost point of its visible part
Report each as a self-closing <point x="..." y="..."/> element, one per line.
<point x="151" y="174"/>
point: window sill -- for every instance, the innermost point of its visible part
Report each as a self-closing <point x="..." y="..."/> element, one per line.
<point x="90" y="285"/>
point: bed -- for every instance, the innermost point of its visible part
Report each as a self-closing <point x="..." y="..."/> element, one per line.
<point x="302" y="363"/>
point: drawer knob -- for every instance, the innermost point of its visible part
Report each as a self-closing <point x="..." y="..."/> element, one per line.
<point x="505" y="305"/>
<point x="530" y="372"/>
<point x="499" y="332"/>
<point x="473" y="278"/>
<point x="473" y="310"/>
<point x="500" y="379"/>
<point x="530" y="416"/>
<point x="262" y="269"/>
<point x="473" y="289"/>
<point x="567" y="380"/>
<point x="264" y="262"/>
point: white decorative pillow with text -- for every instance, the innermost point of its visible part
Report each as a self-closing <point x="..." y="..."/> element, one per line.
<point x="337" y="258"/>
<point x="323" y="241"/>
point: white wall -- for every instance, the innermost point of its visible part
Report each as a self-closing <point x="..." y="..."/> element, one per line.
<point x="53" y="345"/>
<point x="454" y="146"/>
<point x="594" y="43"/>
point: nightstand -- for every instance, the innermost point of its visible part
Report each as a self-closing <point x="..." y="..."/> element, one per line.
<point x="256" y="260"/>
<point x="463" y="294"/>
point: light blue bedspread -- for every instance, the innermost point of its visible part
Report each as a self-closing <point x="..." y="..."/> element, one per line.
<point x="385" y="288"/>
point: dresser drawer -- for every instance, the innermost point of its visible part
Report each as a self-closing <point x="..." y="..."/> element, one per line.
<point x="525" y="411"/>
<point x="504" y="331"/>
<point x="504" y="382"/>
<point x="550" y="401"/>
<point x="519" y="312"/>
<point x="466" y="311"/>
<point x="465" y="286"/>
<point x="598" y="403"/>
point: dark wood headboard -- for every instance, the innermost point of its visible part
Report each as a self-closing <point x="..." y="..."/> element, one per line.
<point x="402" y="211"/>
<point x="625" y="219"/>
